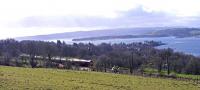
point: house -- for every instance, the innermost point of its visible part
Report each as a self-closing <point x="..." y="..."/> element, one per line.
<point x="80" y="62"/>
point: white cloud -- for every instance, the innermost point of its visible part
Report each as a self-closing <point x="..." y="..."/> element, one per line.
<point x="19" y="32"/>
<point x="15" y="9"/>
<point x="106" y="8"/>
<point x="180" y="8"/>
<point x="12" y="11"/>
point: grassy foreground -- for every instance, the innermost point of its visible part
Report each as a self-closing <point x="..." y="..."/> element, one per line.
<point x="53" y="79"/>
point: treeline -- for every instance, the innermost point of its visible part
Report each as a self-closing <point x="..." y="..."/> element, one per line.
<point x="135" y="57"/>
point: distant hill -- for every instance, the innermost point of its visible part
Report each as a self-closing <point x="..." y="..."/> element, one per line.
<point x="122" y="33"/>
<point x="176" y="32"/>
<point x="92" y="33"/>
<point x="114" y="37"/>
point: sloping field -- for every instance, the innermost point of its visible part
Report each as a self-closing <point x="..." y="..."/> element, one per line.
<point x="15" y="78"/>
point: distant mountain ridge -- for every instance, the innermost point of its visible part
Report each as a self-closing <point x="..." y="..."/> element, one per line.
<point x="119" y="33"/>
<point x="114" y="37"/>
<point x="92" y="33"/>
<point x="175" y="32"/>
<point x="178" y="32"/>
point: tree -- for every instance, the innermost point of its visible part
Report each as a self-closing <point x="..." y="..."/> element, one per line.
<point x="104" y="61"/>
<point x="133" y="56"/>
<point x="31" y="50"/>
<point x="158" y="62"/>
<point x="9" y="49"/>
<point x="59" y="48"/>
<point x="165" y="55"/>
<point x="50" y="49"/>
<point x="193" y="67"/>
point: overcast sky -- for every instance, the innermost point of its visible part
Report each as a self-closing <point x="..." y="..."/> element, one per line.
<point x="34" y="17"/>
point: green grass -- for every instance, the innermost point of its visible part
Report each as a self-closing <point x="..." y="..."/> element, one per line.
<point x="188" y="76"/>
<point x="164" y="72"/>
<point x="15" y="78"/>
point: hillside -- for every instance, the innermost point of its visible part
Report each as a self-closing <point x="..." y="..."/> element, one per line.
<point x="175" y="32"/>
<point x="178" y="32"/>
<point x="118" y="33"/>
<point x="91" y="33"/>
<point x="54" y="79"/>
<point x="116" y="37"/>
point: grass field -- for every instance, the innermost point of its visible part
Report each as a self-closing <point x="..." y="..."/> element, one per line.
<point x="186" y="76"/>
<point x="16" y="78"/>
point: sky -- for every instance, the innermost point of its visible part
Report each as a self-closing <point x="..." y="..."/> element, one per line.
<point x="36" y="17"/>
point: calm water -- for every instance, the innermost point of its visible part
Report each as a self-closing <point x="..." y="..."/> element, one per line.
<point x="187" y="45"/>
